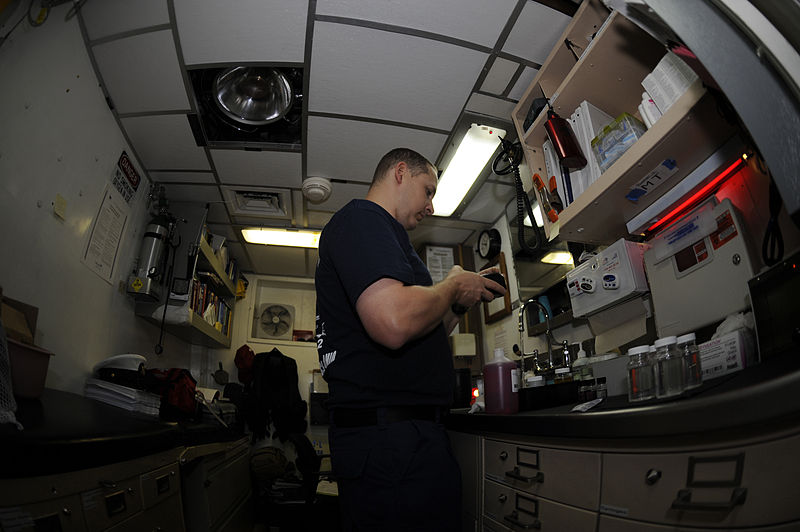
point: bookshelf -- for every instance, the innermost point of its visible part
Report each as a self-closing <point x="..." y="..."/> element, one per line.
<point x="184" y="319"/>
<point x="609" y="74"/>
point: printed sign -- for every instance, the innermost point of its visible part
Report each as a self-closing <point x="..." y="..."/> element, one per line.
<point x="125" y="179"/>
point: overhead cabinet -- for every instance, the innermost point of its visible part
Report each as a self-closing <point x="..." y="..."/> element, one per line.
<point x="614" y="56"/>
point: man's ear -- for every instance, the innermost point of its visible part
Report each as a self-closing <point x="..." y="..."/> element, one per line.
<point x="400" y="171"/>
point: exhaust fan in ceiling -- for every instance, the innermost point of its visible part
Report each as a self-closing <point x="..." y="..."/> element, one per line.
<point x="248" y="106"/>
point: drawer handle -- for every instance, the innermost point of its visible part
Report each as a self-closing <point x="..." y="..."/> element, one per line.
<point x="515" y="474"/>
<point x="502" y="497"/>
<point x="684" y="502"/>
<point x="513" y="518"/>
<point x="652" y="477"/>
<point x="503" y="455"/>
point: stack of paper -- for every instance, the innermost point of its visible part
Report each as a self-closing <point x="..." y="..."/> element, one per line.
<point x="120" y="396"/>
<point x="668" y="81"/>
<point x="589" y="122"/>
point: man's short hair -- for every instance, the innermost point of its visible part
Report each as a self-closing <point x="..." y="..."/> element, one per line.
<point x="417" y="163"/>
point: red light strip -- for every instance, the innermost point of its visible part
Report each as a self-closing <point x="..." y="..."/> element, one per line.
<point x="695" y="198"/>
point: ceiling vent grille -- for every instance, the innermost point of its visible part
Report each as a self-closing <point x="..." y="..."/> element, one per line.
<point x="258" y="202"/>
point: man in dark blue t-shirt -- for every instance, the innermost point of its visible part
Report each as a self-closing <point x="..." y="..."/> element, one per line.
<point x="381" y="331"/>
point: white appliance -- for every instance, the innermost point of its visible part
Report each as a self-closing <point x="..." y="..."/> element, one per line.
<point x="612" y="276"/>
<point x="699" y="268"/>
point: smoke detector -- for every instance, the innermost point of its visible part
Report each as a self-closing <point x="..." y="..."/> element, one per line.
<point x="316" y="189"/>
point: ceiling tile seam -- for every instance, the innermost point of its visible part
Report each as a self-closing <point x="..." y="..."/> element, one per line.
<point x="493" y="55"/>
<point x="193" y="183"/>
<point x="566" y="7"/>
<point x="224" y="64"/>
<point x="390" y="28"/>
<point x="173" y="19"/>
<point x="130" y="33"/>
<point x="497" y="96"/>
<point x="178" y="170"/>
<point x="237" y="146"/>
<point x="382" y="121"/>
<point x="518" y="59"/>
<point x="109" y="100"/>
<point x="140" y="114"/>
<point x="514" y="79"/>
<point x="312" y="9"/>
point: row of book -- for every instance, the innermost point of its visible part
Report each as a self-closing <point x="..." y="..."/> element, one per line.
<point x="210" y="306"/>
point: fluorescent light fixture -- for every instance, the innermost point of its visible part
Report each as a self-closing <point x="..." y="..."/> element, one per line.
<point x="537" y="215"/>
<point x="300" y="238"/>
<point x="471" y="157"/>
<point x="558" y="257"/>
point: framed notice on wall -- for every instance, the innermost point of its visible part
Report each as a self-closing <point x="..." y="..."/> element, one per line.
<point x="499" y="307"/>
<point x="439" y="260"/>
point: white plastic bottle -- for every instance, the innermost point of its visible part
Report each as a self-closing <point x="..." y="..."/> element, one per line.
<point x="501" y="383"/>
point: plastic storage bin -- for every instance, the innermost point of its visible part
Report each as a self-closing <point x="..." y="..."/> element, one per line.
<point x="615" y="139"/>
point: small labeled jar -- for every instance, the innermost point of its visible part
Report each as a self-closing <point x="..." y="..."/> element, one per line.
<point x="534" y="381"/>
<point x="601" y="388"/>
<point x="562" y="375"/>
<point x="687" y="347"/>
<point x="587" y="391"/>
<point x="641" y="374"/>
<point x="670" y="372"/>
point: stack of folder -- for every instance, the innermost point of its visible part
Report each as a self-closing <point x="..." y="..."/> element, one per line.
<point x="120" y="396"/>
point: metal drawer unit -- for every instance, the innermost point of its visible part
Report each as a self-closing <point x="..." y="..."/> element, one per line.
<point x="64" y="513"/>
<point x="613" y="524"/>
<point x="745" y="486"/>
<point x="159" y="485"/>
<point x="111" y="503"/>
<point x="519" y="510"/>
<point x="167" y="516"/>
<point x="571" y="477"/>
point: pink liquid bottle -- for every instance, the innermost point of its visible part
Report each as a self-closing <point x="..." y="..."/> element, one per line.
<point x="501" y="385"/>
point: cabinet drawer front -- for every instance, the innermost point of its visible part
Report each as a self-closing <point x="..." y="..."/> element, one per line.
<point x="745" y="486"/>
<point x="64" y="513"/>
<point x="518" y="510"/>
<point x="111" y="503"/>
<point x="166" y="517"/>
<point x="613" y="524"/>
<point x="572" y="477"/>
<point x="160" y="484"/>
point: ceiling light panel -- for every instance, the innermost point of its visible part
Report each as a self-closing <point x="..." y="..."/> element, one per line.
<point x="182" y="177"/>
<point x="350" y="150"/>
<point x="243" y="31"/>
<point x="267" y="168"/>
<point x="165" y="142"/>
<point x="355" y="68"/>
<point x="522" y="84"/>
<point x="489" y="105"/>
<point x="111" y="17"/>
<point x="141" y="73"/>
<point x="475" y="21"/>
<point x="536" y="31"/>
<point x="499" y="75"/>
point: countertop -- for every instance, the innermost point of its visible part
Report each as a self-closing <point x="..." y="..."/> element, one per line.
<point x="764" y="393"/>
<point x="64" y="432"/>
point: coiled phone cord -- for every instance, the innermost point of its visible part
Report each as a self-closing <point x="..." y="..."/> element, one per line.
<point x="511" y="156"/>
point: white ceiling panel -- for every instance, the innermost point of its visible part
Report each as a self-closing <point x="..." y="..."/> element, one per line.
<point x="141" y="73"/>
<point x="165" y="142"/>
<point x="476" y="21"/>
<point x="489" y="105"/>
<point x="522" y="84"/>
<point x="499" y="75"/>
<point x="264" y="168"/>
<point x="246" y="30"/>
<point x="255" y="221"/>
<point x="193" y="193"/>
<point x="354" y="68"/>
<point x="282" y="260"/>
<point x="111" y="17"/>
<point x="341" y="195"/>
<point x="333" y="153"/>
<point x="490" y="201"/>
<point x="182" y="177"/>
<point x="318" y="220"/>
<point x="536" y="32"/>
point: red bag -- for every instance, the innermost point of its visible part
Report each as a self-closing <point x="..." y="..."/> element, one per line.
<point x="177" y="387"/>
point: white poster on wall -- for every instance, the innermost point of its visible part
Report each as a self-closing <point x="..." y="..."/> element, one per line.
<point x="102" y="249"/>
<point x="440" y="261"/>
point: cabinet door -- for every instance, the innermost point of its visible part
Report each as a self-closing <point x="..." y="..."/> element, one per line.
<point x="613" y="524"/>
<point x="112" y="503"/>
<point x="745" y="486"/>
<point x="571" y="477"/>
<point x="166" y="517"/>
<point x="159" y="485"/>
<point x="466" y="449"/>
<point x="226" y="486"/>
<point x="522" y="511"/>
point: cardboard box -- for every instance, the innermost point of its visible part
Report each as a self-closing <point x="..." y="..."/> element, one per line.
<point x="19" y="320"/>
<point x="727" y="354"/>
<point x="28" y="368"/>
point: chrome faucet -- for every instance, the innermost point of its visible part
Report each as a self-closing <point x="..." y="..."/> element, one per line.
<point x="548" y="335"/>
